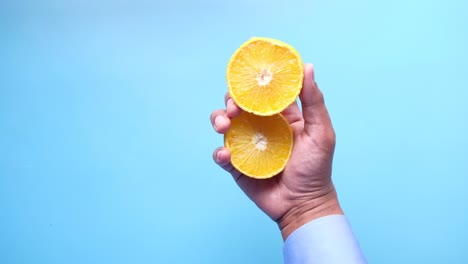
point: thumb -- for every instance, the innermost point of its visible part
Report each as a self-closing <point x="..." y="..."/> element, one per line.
<point x="313" y="105"/>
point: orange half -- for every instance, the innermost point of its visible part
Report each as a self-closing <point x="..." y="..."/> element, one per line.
<point x="264" y="76"/>
<point x="260" y="146"/>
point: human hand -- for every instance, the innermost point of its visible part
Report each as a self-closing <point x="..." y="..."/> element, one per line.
<point x="304" y="190"/>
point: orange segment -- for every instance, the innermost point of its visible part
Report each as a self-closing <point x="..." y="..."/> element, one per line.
<point x="264" y="76"/>
<point x="260" y="145"/>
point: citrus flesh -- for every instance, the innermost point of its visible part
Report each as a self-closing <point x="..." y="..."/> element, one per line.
<point x="264" y="76"/>
<point x="260" y="146"/>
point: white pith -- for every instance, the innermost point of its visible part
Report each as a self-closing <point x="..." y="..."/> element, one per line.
<point x="260" y="141"/>
<point x="264" y="77"/>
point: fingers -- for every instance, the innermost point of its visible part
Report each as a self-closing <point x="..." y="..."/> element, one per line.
<point x="292" y="113"/>
<point x="220" y="121"/>
<point x="313" y="106"/>
<point x="232" y="110"/>
<point x="222" y="157"/>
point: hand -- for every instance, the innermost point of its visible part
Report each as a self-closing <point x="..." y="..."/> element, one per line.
<point x="304" y="190"/>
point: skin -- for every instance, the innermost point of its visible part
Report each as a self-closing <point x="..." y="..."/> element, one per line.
<point x="304" y="190"/>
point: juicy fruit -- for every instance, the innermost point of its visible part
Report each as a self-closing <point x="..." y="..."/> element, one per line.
<point x="260" y="146"/>
<point x="264" y="76"/>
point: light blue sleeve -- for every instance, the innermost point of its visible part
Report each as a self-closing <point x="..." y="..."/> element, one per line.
<point x="326" y="240"/>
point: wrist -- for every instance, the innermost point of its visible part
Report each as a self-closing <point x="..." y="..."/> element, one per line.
<point x="309" y="210"/>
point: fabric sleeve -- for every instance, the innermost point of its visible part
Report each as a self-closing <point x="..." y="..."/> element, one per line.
<point x="326" y="240"/>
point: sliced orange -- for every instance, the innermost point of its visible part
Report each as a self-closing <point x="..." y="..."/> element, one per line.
<point x="260" y="145"/>
<point x="264" y="76"/>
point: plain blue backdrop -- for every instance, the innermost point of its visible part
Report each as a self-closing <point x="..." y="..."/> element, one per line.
<point x="105" y="139"/>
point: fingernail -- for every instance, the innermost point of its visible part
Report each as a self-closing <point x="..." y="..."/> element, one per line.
<point x="218" y="155"/>
<point x="218" y="121"/>
<point x="229" y="101"/>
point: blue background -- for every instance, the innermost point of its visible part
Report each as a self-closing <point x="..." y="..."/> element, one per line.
<point x="105" y="139"/>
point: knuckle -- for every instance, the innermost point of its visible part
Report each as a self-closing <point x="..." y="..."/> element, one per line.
<point x="320" y="97"/>
<point x="330" y="139"/>
<point x="215" y="113"/>
<point x="215" y="155"/>
<point x="327" y="139"/>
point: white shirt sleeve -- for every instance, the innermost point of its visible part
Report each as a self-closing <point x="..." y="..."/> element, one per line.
<point x="326" y="240"/>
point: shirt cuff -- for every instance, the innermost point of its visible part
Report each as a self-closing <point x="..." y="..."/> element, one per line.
<point x="326" y="240"/>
